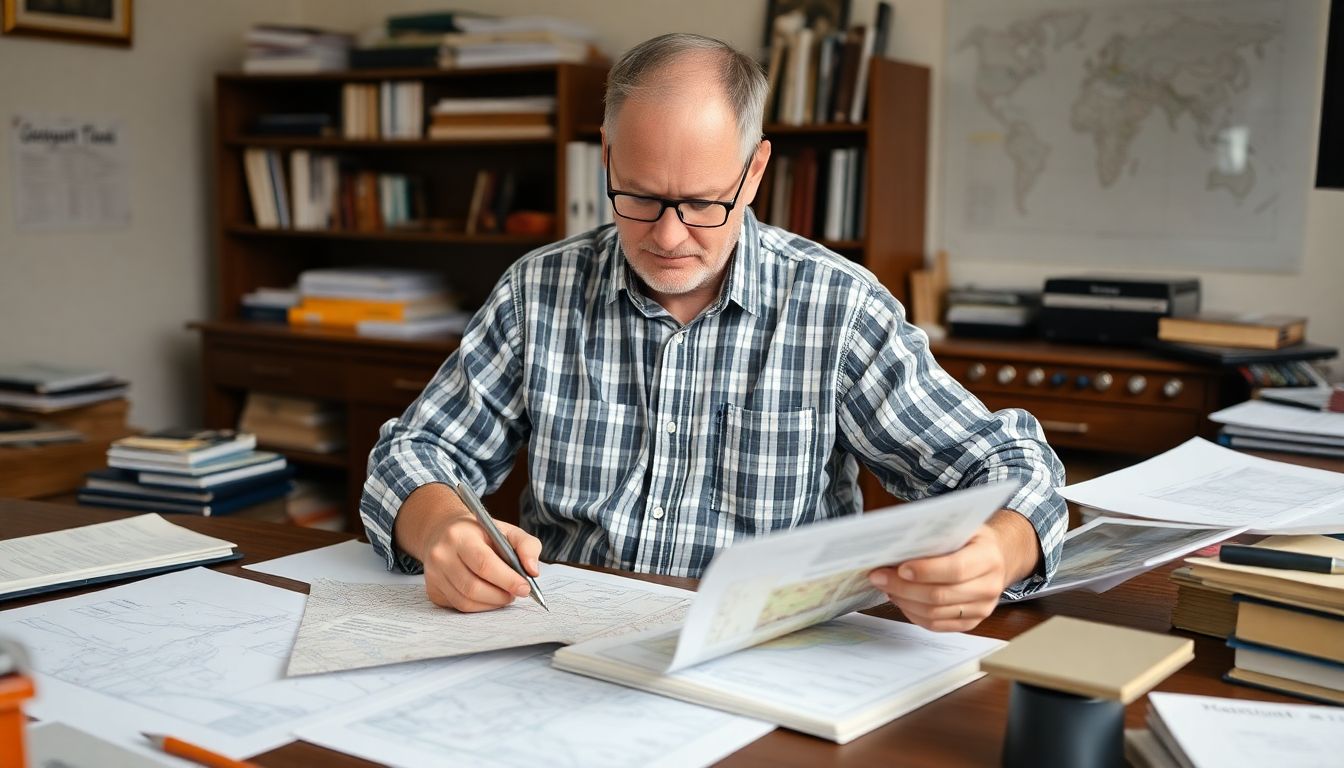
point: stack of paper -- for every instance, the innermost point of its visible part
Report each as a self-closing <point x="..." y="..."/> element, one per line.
<point x="1212" y="732"/>
<point x="1273" y="426"/>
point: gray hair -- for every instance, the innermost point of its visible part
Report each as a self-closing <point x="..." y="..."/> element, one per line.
<point x="743" y="82"/>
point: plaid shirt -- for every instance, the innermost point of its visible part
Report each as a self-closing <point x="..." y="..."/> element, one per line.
<point x="651" y="445"/>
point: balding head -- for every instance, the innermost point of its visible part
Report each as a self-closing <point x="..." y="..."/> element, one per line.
<point x="679" y="68"/>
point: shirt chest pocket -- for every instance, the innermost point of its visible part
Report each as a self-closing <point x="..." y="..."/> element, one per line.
<point x="764" y="469"/>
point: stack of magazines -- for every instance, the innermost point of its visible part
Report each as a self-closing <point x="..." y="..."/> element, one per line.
<point x="198" y="472"/>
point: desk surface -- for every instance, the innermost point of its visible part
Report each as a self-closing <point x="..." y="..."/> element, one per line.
<point x="963" y="728"/>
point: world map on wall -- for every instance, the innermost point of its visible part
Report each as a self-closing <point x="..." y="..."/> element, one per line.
<point x="1178" y="124"/>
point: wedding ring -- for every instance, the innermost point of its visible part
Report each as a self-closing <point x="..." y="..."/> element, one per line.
<point x="961" y="611"/>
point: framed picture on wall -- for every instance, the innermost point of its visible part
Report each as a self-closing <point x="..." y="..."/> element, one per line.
<point x="91" y="21"/>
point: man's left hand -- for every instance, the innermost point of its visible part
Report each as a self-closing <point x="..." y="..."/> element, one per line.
<point x="956" y="591"/>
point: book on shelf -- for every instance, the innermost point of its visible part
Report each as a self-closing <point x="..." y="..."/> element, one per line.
<point x="817" y="74"/>
<point x="91" y="554"/>
<point x="371" y="283"/>
<point x="293" y="423"/>
<point x="292" y="124"/>
<point x="26" y="432"/>
<point x="48" y="403"/>
<point x="586" y="203"/>
<point x="346" y="313"/>
<point x="499" y="42"/>
<point x="814" y="194"/>
<point x="213" y="474"/>
<point x="214" y="508"/>
<point x="389" y="109"/>
<point x="289" y="49"/>
<point x="47" y="378"/>
<point x="183" y="447"/>
<point x="288" y="409"/>
<point x="1234" y="329"/>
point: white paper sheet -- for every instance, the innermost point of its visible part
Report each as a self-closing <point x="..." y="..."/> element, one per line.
<point x="57" y="745"/>
<point x="526" y="715"/>
<point x="352" y="561"/>
<point x="352" y="626"/>
<point x="69" y="173"/>
<point x="196" y="653"/>
<point x="1215" y="732"/>
<point x="1281" y="418"/>
<point x="777" y="584"/>
<point x="1201" y="483"/>
<point x="1109" y="551"/>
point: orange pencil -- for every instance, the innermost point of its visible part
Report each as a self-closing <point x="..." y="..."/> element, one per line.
<point x="194" y="753"/>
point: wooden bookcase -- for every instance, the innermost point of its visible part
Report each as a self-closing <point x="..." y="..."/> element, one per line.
<point x="374" y="379"/>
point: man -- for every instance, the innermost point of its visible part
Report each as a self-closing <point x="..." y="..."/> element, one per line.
<point x="692" y="377"/>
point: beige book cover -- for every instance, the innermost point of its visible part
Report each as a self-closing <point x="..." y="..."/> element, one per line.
<point x="1317" y="590"/>
<point x="1090" y="659"/>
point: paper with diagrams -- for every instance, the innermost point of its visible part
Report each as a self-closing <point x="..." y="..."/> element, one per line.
<point x="353" y="626"/>
<point x="1201" y="483"/>
<point x="527" y="714"/>
<point x="197" y="654"/>
<point x="767" y="587"/>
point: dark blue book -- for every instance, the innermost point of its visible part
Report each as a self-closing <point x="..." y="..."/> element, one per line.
<point x="223" y="507"/>
<point x="127" y="482"/>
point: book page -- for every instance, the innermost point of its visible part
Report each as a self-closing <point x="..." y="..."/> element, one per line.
<point x="1203" y="484"/>
<point x="774" y="585"/>
<point x="352" y="626"/>
<point x="527" y="714"/>
<point x="130" y="544"/>
<point x="829" y="671"/>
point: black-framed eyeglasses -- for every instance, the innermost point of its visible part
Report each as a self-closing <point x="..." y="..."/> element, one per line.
<point x="692" y="212"/>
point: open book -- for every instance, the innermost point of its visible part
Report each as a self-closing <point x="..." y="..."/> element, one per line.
<point x="776" y="598"/>
<point x="134" y="546"/>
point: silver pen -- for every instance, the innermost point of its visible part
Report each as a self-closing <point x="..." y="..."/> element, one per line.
<point x="502" y="544"/>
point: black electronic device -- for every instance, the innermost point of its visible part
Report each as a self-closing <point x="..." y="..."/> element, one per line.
<point x="1113" y="309"/>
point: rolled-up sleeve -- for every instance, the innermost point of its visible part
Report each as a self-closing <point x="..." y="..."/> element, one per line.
<point x="923" y="434"/>
<point x="466" y="425"/>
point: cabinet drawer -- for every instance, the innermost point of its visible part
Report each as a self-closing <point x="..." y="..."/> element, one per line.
<point x="268" y="371"/>
<point x="1105" y="427"/>
<point x="395" y="385"/>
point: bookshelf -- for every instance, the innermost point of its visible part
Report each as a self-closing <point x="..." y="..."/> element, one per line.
<point x="374" y="379"/>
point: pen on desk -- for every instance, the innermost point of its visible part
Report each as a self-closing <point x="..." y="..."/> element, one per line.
<point x="1277" y="558"/>
<point x="501" y="544"/>
<point x="196" y="754"/>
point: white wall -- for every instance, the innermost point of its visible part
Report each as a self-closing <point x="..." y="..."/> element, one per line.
<point x="120" y="299"/>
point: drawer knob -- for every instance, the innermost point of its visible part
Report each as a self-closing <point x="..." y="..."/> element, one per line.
<point x="1035" y="376"/>
<point x="1006" y="374"/>
<point x="975" y="371"/>
<point x="1136" y="384"/>
<point x="1059" y="379"/>
<point x="1103" y="381"/>
<point x="1172" y="388"/>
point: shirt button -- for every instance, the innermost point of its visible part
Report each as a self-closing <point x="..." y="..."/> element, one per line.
<point x="671" y="426"/>
<point x="681" y="338"/>
<point x="657" y="513"/>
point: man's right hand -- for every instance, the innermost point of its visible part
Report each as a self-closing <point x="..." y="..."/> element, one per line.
<point x="462" y="568"/>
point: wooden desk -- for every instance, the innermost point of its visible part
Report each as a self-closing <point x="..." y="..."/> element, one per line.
<point x="963" y="728"/>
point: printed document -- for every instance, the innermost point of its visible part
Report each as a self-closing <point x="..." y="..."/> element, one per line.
<point x="352" y="561"/>
<point x="763" y="588"/>
<point x="196" y="654"/>
<point x="351" y="626"/>
<point x="1213" y="732"/>
<point x="524" y="714"/>
<point x="1203" y="484"/>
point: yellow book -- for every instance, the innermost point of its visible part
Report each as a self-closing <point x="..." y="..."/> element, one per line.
<point x="346" y="313"/>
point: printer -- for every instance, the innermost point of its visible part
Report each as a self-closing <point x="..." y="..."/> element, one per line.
<point x="1113" y="309"/>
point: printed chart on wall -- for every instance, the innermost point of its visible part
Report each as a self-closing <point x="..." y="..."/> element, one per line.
<point x="1128" y="132"/>
<point x="69" y="173"/>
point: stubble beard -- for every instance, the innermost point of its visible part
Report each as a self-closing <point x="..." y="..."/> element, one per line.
<point x="678" y="285"/>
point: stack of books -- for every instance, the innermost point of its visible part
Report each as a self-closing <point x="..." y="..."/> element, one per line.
<point x="1185" y="731"/>
<point x="1289" y="632"/>
<point x="293" y="423"/>
<point x="1202" y="608"/>
<point x="502" y="117"/>
<point x="484" y="41"/>
<point x="992" y="312"/>
<point x="818" y="74"/>
<point x="1263" y="425"/>
<point x="197" y="472"/>
<point x="46" y="388"/>
<point x="1252" y="330"/>
<point x="315" y="192"/>
<point x="405" y="41"/>
<point x="373" y="301"/>
<point x="277" y="48"/>
<point x="268" y="305"/>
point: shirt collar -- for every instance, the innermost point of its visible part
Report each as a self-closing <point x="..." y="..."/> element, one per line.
<point x="742" y="286"/>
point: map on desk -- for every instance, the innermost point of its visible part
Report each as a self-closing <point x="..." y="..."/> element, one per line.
<point x="1162" y="132"/>
<point x="353" y="626"/>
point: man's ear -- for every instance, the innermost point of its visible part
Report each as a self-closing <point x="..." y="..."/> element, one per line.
<point x="602" y="132"/>
<point x="759" y="161"/>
